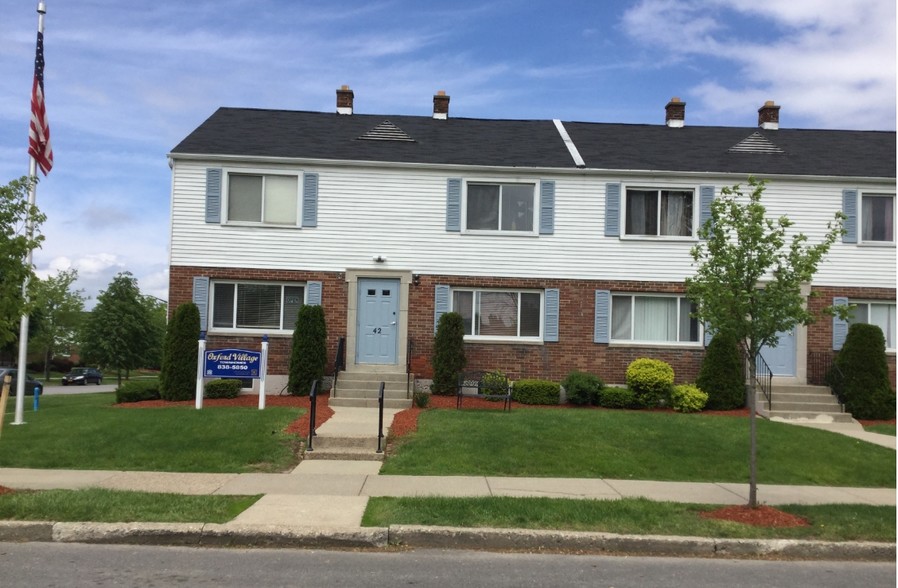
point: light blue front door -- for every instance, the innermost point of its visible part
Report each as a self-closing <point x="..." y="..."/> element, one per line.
<point x="377" y="325"/>
<point x="781" y="358"/>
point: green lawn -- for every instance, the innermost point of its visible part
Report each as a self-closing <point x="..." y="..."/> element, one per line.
<point x="634" y="445"/>
<point x="881" y="429"/>
<point x="117" y="506"/>
<point x="841" y="522"/>
<point x="86" y="431"/>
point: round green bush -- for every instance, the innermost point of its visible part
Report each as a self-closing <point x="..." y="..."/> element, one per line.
<point x="222" y="388"/>
<point x="864" y="384"/>
<point x="448" y="353"/>
<point x="613" y="397"/>
<point x="494" y="383"/>
<point x="721" y="374"/>
<point x="420" y="399"/>
<point x="536" y="392"/>
<point x="650" y="380"/>
<point x="582" y="388"/>
<point x="687" y="398"/>
<point x="137" y="392"/>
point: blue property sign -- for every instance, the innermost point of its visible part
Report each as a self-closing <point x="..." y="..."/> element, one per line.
<point x="232" y="363"/>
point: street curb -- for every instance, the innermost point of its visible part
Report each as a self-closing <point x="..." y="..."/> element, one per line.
<point x="421" y="537"/>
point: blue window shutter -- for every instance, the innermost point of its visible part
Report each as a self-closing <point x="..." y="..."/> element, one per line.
<point x="310" y="200"/>
<point x="603" y="317"/>
<point x="840" y="327"/>
<point x="453" y="204"/>
<point x="546" y="207"/>
<point x="201" y="299"/>
<point x="551" y="319"/>
<point x="440" y="304"/>
<point x="706" y="196"/>
<point x="849" y="208"/>
<point x="313" y="296"/>
<point x="612" y="210"/>
<point x="213" y="195"/>
<point x="708" y="334"/>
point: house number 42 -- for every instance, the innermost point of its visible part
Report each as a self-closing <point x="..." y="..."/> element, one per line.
<point x="377" y="330"/>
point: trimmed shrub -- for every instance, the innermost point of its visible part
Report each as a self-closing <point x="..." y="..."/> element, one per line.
<point x="613" y="397"/>
<point x="582" y="388"/>
<point x="494" y="382"/>
<point x="448" y="353"/>
<point x="650" y="380"/>
<point x="309" y="354"/>
<point x="222" y="388"/>
<point x="177" y="378"/>
<point x="687" y="398"/>
<point x="864" y="384"/>
<point x="721" y="374"/>
<point x="421" y="399"/>
<point x="137" y="392"/>
<point x="536" y="392"/>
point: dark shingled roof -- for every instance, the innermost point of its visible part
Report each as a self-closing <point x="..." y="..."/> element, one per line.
<point x="536" y="143"/>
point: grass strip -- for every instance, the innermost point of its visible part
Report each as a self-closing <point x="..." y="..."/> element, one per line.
<point x="120" y="506"/>
<point x="881" y="429"/>
<point x="86" y="431"/>
<point x="639" y="516"/>
<point x="637" y="445"/>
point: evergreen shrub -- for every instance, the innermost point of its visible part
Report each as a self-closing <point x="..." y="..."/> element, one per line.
<point x="687" y="398"/>
<point x="536" y="392"/>
<point x="177" y="378"/>
<point x="137" y="392"/>
<point x="582" y="388"/>
<point x="864" y="384"/>
<point x="493" y="383"/>
<point x="222" y="388"/>
<point x="308" y="356"/>
<point x="448" y="353"/>
<point x="650" y="380"/>
<point x="721" y="375"/>
<point x="420" y="399"/>
<point x="614" y="397"/>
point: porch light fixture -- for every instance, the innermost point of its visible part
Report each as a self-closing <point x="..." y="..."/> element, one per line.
<point x="379" y="259"/>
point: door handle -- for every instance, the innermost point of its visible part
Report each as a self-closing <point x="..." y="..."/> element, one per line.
<point x="393" y="323"/>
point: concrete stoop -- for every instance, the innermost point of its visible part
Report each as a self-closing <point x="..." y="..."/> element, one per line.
<point x="360" y="388"/>
<point x="803" y="402"/>
<point x="345" y="449"/>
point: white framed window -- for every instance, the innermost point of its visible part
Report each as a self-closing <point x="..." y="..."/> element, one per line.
<point x="500" y="314"/>
<point x="659" y="212"/>
<point x="878" y="218"/>
<point x="500" y="207"/>
<point x="653" y="319"/>
<point x="262" y="198"/>
<point x="255" y="306"/>
<point x="879" y="313"/>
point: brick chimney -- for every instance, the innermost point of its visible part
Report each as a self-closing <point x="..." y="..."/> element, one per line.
<point x="769" y="116"/>
<point x="344" y="100"/>
<point x="440" y="105"/>
<point x="675" y="113"/>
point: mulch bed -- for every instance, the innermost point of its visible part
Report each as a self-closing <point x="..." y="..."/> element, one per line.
<point x="760" y="516"/>
<point x="5" y="490"/>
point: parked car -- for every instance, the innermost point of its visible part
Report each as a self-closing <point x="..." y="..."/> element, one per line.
<point x="82" y="377"/>
<point x="30" y="383"/>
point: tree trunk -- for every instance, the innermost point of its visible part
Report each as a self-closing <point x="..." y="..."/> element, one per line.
<point x="47" y="365"/>
<point x="752" y="435"/>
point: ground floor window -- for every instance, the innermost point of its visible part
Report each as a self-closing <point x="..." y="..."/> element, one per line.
<point x="881" y="314"/>
<point x="256" y="305"/>
<point x="500" y="313"/>
<point x="653" y="319"/>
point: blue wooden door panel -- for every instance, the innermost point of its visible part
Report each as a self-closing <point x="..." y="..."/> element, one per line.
<point x="378" y="318"/>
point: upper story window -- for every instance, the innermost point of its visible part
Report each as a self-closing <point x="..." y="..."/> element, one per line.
<point x="659" y="213"/>
<point x="255" y="305"/>
<point x="881" y="314"/>
<point x="500" y="207"/>
<point x="878" y="218"/>
<point x="653" y="319"/>
<point x="262" y="198"/>
<point x="500" y="314"/>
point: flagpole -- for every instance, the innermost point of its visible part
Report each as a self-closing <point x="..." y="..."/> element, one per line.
<point x="29" y="229"/>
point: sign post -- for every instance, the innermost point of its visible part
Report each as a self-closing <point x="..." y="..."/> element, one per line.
<point x="263" y="371"/>
<point x="200" y="361"/>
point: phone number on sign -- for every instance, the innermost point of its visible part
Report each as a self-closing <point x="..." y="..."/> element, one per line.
<point x="233" y="367"/>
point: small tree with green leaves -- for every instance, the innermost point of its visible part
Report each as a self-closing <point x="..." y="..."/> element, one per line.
<point x="448" y="353"/>
<point x="177" y="380"/>
<point x="309" y="355"/>
<point x="749" y="279"/>
<point x="863" y="374"/>
<point x="62" y="309"/>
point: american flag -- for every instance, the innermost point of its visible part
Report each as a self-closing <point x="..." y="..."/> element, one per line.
<point x="39" y="134"/>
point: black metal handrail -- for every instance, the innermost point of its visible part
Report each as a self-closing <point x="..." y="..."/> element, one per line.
<point x="380" y="418"/>
<point x="764" y="379"/>
<point x="339" y="362"/>
<point x="313" y="413"/>
<point x="408" y="366"/>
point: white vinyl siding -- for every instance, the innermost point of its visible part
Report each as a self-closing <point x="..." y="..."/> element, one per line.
<point x="653" y="319"/>
<point x="255" y="306"/>
<point x="499" y="314"/>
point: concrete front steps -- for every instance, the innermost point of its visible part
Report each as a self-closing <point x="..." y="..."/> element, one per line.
<point x="359" y="388"/>
<point x="345" y="448"/>
<point x="803" y="402"/>
<point x="350" y="435"/>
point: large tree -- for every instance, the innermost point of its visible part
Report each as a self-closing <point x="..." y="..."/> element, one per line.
<point x="748" y="284"/>
<point x="16" y="241"/>
<point x="61" y="309"/>
<point x="115" y="333"/>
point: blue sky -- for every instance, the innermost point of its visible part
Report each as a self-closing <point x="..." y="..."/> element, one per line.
<point x="126" y="81"/>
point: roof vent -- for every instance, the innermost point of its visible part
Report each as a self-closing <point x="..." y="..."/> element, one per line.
<point x="386" y="131"/>
<point x="755" y="143"/>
